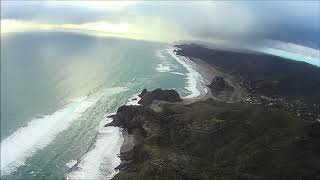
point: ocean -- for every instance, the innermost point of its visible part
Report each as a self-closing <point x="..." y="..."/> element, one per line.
<point x="57" y="90"/>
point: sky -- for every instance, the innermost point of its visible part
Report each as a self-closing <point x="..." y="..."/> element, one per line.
<point x="169" y="21"/>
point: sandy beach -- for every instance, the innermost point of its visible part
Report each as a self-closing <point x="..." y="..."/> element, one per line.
<point x="209" y="72"/>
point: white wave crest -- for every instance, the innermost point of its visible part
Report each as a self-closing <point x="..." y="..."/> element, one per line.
<point x="134" y="100"/>
<point x="160" y="55"/>
<point x="101" y="160"/>
<point x="71" y="163"/>
<point x="163" y="68"/>
<point x="194" y="79"/>
<point x="178" y="73"/>
<point x="40" y="132"/>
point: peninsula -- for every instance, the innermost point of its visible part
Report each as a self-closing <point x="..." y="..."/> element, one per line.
<point x="252" y="124"/>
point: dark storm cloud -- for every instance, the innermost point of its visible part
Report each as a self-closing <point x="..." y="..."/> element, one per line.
<point x="296" y="21"/>
<point x="235" y="20"/>
<point x="48" y="13"/>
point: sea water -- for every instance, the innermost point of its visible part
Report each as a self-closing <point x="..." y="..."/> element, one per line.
<point x="57" y="90"/>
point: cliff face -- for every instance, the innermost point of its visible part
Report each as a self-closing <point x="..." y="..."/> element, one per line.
<point x="131" y="117"/>
<point x="216" y="140"/>
<point x="263" y="74"/>
<point x="218" y="85"/>
<point x="285" y="84"/>
<point x="264" y="137"/>
<point x="158" y="94"/>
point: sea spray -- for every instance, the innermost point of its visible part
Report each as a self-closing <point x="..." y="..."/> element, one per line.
<point x="195" y="81"/>
<point x="100" y="161"/>
<point x="40" y="132"/>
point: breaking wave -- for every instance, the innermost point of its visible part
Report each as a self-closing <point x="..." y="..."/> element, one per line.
<point x="100" y="161"/>
<point x="40" y="132"/>
<point x="194" y="79"/>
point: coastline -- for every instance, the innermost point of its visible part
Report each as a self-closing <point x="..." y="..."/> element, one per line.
<point x="207" y="72"/>
<point x="199" y="76"/>
<point x="228" y="120"/>
<point x="129" y="141"/>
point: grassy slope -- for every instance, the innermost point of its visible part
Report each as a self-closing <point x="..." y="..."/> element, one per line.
<point x="211" y="140"/>
<point x="266" y="74"/>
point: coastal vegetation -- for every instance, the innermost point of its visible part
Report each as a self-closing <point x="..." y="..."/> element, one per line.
<point x="270" y="130"/>
<point x="217" y="140"/>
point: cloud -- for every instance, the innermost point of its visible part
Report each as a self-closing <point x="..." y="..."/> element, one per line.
<point x="180" y="20"/>
<point x="98" y="5"/>
<point x="61" y="12"/>
<point x="199" y="18"/>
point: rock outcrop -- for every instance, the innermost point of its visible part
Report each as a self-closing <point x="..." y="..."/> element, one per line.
<point x="217" y="140"/>
<point x="158" y="94"/>
<point x="218" y="85"/>
<point x="262" y="74"/>
<point x="131" y="117"/>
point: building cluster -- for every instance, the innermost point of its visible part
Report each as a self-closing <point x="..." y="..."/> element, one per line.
<point x="304" y="111"/>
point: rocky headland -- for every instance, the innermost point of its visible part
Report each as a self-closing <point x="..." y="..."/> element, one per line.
<point x="158" y="94"/>
<point x="219" y="85"/>
<point x="258" y="78"/>
<point x="234" y="132"/>
<point x="217" y="140"/>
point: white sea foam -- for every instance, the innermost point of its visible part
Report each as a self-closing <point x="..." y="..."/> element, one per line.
<point x="165" y="66"/>
<point x="71" y="163"/>
<point x="194" y="79"/>
<point x="24" y="142"/>
<point x="134" y="100"/>
<point x="160" y="55"/>
<point x="40" y="132"/>
<point x="178" y="73"/>
<point x="100" y="161"/>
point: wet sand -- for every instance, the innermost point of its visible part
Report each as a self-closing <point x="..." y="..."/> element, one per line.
<point x="209" y="72"/>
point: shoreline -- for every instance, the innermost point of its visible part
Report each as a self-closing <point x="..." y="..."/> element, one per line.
<point x="202" y="69"/>
<point x="129" y="142"/>
<point x="207" y="73"/>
